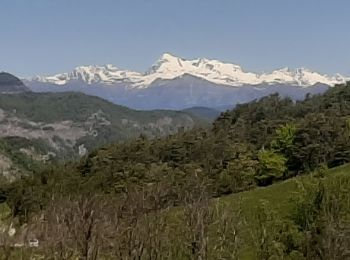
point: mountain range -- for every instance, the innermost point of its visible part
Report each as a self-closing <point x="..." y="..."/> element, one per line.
<point x="170" y="67"/>
<point x="176" y="83"/>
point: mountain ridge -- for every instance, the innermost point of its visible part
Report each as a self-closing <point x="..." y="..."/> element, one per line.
<point x="11" y="84"/>
<point x="180" y="93"/>
<point x="170" y="67"/>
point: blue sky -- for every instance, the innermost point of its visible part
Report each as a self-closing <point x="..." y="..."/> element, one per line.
<point x="50" y="36"/>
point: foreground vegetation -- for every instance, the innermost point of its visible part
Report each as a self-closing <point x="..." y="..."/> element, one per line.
<point x="301" y="218"/>
<point x="153" y="198"/>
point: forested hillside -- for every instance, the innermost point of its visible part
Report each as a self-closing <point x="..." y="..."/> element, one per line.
<point x="39" y="127"/>
<point x="255" y="144"/>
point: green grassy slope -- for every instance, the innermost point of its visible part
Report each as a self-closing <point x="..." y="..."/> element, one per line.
<point x="279" y="198"/>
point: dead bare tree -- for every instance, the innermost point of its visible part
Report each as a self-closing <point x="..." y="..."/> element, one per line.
<point x="228" y="225"/>
<point x="139" y="224"/>
<point x="72" y="226"/>
<point x="197" y="217"/>
<point x="142" y="225"/>
<point x="329" y="237"/>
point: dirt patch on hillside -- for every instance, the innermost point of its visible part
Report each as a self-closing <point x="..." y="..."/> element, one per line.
<point x="65" y="130"/>
<point x="6" y="168"/>
<point x="2" y="115"/>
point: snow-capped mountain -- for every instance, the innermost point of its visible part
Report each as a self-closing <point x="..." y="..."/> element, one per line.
<point x="107" y="74"/>
<point x="177" y="83"/>
<point x="170" y="67"/>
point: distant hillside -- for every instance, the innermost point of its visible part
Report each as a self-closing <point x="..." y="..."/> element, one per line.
<point x="11" y="84"/>
<point x="209" y="114"/>
<point x="51" y="126"/>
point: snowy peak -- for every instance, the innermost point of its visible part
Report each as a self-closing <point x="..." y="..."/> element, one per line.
<point x="172" y="63"/>
<point x="166" y="62"/>
<point x="301" y="77"/>
<point x="107" y="74"/>
<point x="169" y="58"/>
<point x="169" y="67"/>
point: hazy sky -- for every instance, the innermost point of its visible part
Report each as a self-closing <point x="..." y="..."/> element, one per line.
<point x="50" y="36"/>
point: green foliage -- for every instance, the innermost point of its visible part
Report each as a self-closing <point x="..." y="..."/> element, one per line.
<point x="284" y="139"/>
<point x="314" y="225"/>
<point x="272" y="167"/>
<point x="307" y="132"/>
<point x="12" y="148"/>
<point x="322" y="215"/>
<point x="239" y="172"/>
<point x="273" y="237"/>
<point x="281" y="204"/>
